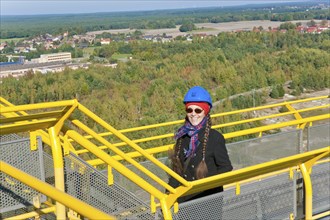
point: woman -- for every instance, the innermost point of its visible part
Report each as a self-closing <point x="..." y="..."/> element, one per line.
<point x="200" y="151"/>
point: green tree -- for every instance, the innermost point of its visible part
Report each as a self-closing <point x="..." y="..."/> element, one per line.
<point x="287" y="26"/>
<point x="187" y="26"/>
<point x="274" y="93"/>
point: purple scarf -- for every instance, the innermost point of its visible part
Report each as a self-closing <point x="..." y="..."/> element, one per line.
<point x="191" y="131"/>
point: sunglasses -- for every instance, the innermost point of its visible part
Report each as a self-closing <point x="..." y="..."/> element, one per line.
<point x="197" y="110"/>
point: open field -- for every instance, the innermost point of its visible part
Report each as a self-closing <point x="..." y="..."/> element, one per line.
<point x="11" y="39"/>
<point x="206" y="28"/>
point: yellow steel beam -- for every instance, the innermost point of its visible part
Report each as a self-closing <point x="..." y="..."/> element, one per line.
<point x="115" y="164"/>
<point x="65" y="199"/>
<point x="45" y="105"/>
<point x="275" y="126"/>
<point x="214" y="126"/>
<point x="269" y="106"/>
<point x="170" y="135"/>
<point x="224" y="114"/>
<point x="247" y="173"/>
<point x="154" y="150"/>
<point x="294" y="111"/>
<point x="321" y="215"/>
<point x="256" y="170"/>
<point x="308" y="192"/>
<point x="68" y="111"/>
<point x="58" y="168"/>
<point x="126" y="140"/>
<point x="8" y="104"/>
<point x="52" y="114"/>
<point x="267" y="117"/>
<point x="27" y="126"/>
<point x="230" y="135"/>
<point x="124" y="156"/>
<point x="32" y="214"/>
<point x="311" y="162"/>
<point x="287" y="170"/>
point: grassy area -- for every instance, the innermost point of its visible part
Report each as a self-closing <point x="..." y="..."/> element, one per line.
<point x="205" y="29"/>
<point x="120" y="56"/>
<point x="11" y="39"/>
<point x="88" y="51"/>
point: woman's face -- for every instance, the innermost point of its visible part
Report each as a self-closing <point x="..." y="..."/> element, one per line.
<point x="195" y="114"/>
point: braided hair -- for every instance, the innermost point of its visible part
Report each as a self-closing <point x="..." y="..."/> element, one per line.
<point x="201" y="170"/>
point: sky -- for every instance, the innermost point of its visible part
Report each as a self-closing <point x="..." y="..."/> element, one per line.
<point x="35" y="7"/>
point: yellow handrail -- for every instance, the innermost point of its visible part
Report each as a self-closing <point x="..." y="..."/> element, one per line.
<point x="51" y="126"/>
<point x="253" y="171"/>
<point x="256" y="170"/>
<point x="48" y="190"/>
<point x="228" y="135"/>
<point x="32" y="214"/>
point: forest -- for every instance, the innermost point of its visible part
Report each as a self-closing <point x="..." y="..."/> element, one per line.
<point x="150" y="87"/>
<point x="28" y="26"/>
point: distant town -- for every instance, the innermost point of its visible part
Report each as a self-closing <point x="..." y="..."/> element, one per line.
<point x="17" y="65"/>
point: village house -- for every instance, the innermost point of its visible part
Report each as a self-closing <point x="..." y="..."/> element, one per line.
<point x="3" y="46"/>
<point x="105" y="41"/>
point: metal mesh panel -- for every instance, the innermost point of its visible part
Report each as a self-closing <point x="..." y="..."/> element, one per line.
<point x="86" y="183"/>
<point x="9" y="137"/>
<point x="16" y="212"/>
<point x="272" y="198"/>
<point x="264" y="149"/>
<point x="135" y="189"/>
<point x="49" y="169"/>
<point x="318" y="136"/>
<point x="13" y="193"/>
<point x="321" y="187"/>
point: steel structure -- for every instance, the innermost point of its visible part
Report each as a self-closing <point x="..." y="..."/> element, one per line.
<point x="92" y="170"/>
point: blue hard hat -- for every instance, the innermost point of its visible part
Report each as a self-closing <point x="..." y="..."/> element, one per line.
<point x="198" y="94"/>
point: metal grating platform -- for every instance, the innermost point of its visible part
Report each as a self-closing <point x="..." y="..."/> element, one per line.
<point x="321" y="188"/>
<point x="14" y="194"/>
<point x="272" y="198"/>
<point x="266" y="148"/>
<point x="86" y="183"/>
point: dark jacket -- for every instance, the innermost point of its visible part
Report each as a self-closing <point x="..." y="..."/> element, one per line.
<point x="216" y="158"/>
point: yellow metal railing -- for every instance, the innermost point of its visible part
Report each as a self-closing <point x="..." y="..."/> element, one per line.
<point x="304" y="161"/>
<point x="258" y="130"/>
<point x="48" y="190"/>
<point x="63" y="133"/>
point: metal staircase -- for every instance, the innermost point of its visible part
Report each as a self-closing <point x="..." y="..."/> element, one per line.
<point x="104" y="174"/>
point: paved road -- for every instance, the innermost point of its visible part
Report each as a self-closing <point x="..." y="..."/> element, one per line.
<point x="268" y="89"/>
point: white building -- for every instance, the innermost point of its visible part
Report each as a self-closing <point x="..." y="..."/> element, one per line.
<point x="54" y="57"/>
<point x="105" y="41"/>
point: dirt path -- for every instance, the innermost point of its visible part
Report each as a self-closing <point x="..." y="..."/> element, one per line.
<point x="302" y="105"/>
<point x="205" y="28"/>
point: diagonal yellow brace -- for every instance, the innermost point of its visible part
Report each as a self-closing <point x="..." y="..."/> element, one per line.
<point x="110" y="175"/>
<point x="68" y="111"/>
<point x="67" y="146"/>
<point x="296" y="115"/>
<point x="33" y="140"/>
<point x="152" y="204"/>
<point x="309" y="164"/>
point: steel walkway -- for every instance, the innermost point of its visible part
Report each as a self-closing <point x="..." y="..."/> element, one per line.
<point x="61" y="161"/>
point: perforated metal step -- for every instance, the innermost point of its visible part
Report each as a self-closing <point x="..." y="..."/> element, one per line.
<point x="90" y="185"/>
<point x="15" y="151"/>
